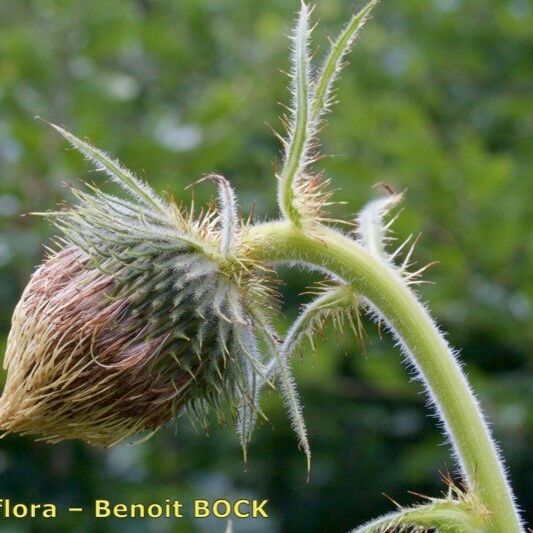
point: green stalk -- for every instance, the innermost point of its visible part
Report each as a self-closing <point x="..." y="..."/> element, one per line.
<point x="388" y="292"/>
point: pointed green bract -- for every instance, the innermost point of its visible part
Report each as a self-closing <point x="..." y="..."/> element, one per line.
<point x="371" y="227"/>
<point x="335" y="303"/>
<point x="302" y="196"/>
<point x="331" y="68"/>
<point x="115" y="171"/>
<point x="300" y="128"/>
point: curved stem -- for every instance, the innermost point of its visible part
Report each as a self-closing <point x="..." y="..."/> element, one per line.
<point x="423" y="344"/>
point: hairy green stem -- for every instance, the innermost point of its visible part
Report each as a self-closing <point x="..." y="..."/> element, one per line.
<point x="476" y="453"/>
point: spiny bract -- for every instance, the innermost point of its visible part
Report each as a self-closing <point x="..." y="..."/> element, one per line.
<point x="143" y="311"/>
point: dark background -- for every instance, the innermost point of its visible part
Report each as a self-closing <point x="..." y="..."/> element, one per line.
<point x="435" y="101"/>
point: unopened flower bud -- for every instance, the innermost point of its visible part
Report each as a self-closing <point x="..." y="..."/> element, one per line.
<point x="143" y="313"/>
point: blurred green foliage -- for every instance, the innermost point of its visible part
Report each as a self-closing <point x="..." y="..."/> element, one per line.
<point x="437" y="100"/>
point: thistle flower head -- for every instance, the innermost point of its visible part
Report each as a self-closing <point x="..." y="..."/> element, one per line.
<point x="143" y="312"/>
<point x="146" y="310"/>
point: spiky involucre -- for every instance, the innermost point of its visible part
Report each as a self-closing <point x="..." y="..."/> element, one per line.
<point x="141" y="314"/>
